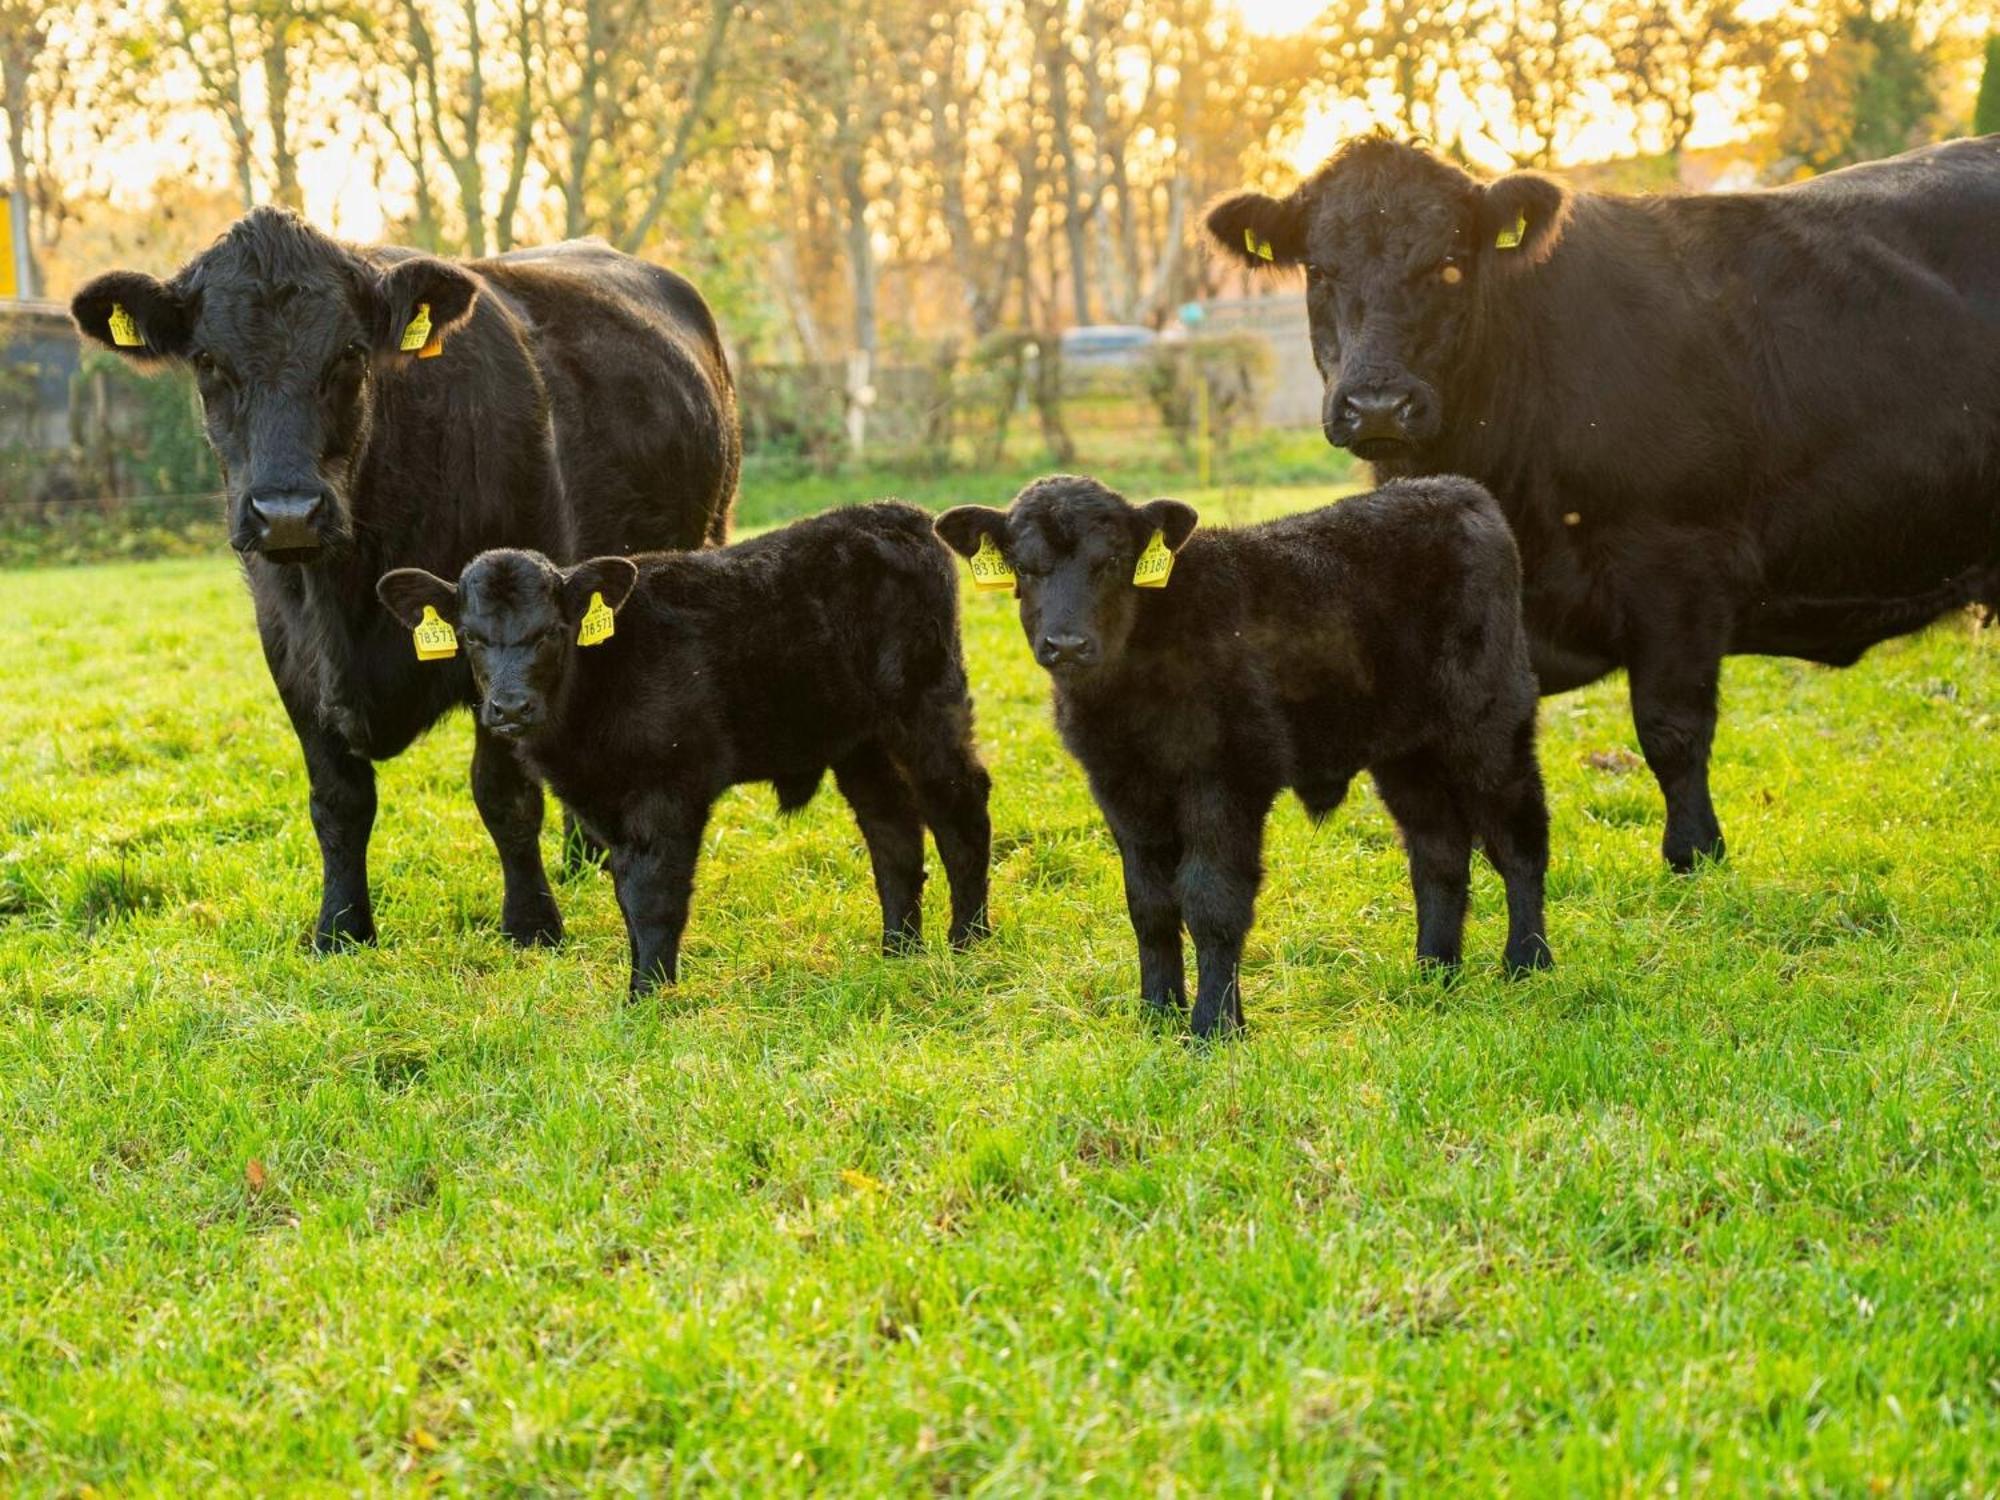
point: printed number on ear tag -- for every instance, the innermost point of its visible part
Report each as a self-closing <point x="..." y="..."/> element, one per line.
<point x="1257" y="246"/>
<point x="597" y="622"/>
<point x="417" y="332"/>
<point x="1155" y="563"/>
<point x="436" y="640"/>
<point x="1510" y="239"/>
<point x="124" y="332"/>
<point x="990" y="569"/>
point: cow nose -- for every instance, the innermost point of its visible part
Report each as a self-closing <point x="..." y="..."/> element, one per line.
<point x="1362" y="415"/>
<point x="287" y="520"/>
<point x="1067" y="651"/>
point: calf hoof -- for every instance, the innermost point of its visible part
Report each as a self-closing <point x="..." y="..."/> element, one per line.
<point x="342" y="930"/>
<point x="901" y="943"/>
<point x="1526" y="957"/>
<point x="540" y="930"/>
<point x="964" y="935"/>
<point x="1439" y="968"/>
<point x="1685" y="856"/>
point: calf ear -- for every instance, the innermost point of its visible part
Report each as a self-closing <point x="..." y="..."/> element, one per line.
<point x="963" y="528"/>
<point x="406" y="591"/>
<point x="420" y="290"/>
<point x="613" y="577"/>
<point x="1259" y="230"/>
<point x="1521" y="217"/>
<point x="142" y="318"/>
<point x="1174" y="521"/>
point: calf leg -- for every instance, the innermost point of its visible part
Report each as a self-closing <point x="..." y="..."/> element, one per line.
<point x="1155" y="909"/>
<point x="654" y="876"/>
<point x="1674" y="687"/>
<point x="510" y="804"/>
<point x="1221" y="868"/>
<point x="581" y="849"/>
<point x="1439" y="845"/>
<point x="893" y="829"/>
<point x="1513" y="823"/>
<point x="952" y="790"/>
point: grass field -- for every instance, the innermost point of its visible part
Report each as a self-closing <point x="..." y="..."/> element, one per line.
<point x="1713" y="1207"/>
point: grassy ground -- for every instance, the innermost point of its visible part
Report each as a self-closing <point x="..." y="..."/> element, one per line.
<point x="1712" y="1207"/>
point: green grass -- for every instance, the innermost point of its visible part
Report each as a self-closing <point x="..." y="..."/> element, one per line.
<point x="1713" y="1206"/>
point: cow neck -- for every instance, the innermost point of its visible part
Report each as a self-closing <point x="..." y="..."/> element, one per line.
<point x="1489" y="398"/>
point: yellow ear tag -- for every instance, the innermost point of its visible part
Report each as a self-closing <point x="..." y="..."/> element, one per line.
<point x="1155" y="563"/>
<point x="436" y="640"/>
<point x="597" y="623"/>
<point x="124" y="332"/>
<point x="1510" y="239"/>
<point x="990" y="569"/>
<point x="417" y="332"/>
<point x="1261" y="248"/>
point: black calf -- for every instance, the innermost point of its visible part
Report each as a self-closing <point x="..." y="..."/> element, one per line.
<point x="1383" y="633"/>
<point x="832" y="644"/>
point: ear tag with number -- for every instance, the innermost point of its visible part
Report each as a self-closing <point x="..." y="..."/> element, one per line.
<point x="1510" y="239"/>
<point x="990" y="569"/>
<point x="417" y="332"/>
<point x="1155" y="563"/>
<point x="124" y="332"/>
<point x="436" y="640"/>
<point x="1259" y="247"/>
<point x="597" y="623"/>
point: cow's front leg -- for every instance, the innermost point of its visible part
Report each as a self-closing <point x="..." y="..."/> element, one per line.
<point x="1674" y="688"/>
<point x="510" y="803"/>
<point x="1155" y="909"/>
<point x="654" y="876"/>
<point x="342" y="803"/>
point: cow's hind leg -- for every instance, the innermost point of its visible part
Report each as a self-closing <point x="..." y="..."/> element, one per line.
<point x="510" y="803"/>
<point x="1674" y="686"/>
<point x="952" y="789"/>
<point x="1511" y="817"/>
<point x="1222" y="865"/>
<point x="893" y="828"/>
<point x="1438" y="841"/>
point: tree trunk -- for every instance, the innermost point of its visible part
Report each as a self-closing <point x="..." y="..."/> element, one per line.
<point x="861" y="271"/>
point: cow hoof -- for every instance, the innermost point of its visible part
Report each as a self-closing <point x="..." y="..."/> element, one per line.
<point x="1686" y="859"/>
<point x="336" y="936"/>
<point x="1529" y="957"/>
<point x="1438" y="969"/>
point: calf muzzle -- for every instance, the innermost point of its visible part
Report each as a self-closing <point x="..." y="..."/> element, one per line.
<point x="1061" y="652"/>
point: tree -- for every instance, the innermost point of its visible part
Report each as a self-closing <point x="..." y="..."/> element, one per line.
<point x="1871" y="91"/>
<point x="1986" y="112"/>
<point x="1671" y="55"/>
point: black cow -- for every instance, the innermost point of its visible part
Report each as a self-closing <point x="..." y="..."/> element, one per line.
<point x="1763" y="422"/>
<point x="830" y="643"/>
<point x="375" y="406"/>
<point x="1380" y="634"/>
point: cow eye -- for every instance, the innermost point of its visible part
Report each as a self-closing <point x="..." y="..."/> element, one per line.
<point x="1319" y="274"/>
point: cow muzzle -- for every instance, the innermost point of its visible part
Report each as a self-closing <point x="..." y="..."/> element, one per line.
<point x="285" y="526"/>
<point x="1379" y="421"/>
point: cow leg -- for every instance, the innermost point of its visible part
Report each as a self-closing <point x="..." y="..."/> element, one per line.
<point x="510" y="803"/>
<point x="1155" y="909"/>
<point x="342" y="803"/>
<point x="893" y="829"/>
<point x="582" y="850"/>
<point x="654" y="878"/>
<point x="1674" y="685"/>
<point x="1221" y="868"/>
<point x="952" y="791"/>
<point x="1513" y="824"/>
<point x="1438" y="842"/>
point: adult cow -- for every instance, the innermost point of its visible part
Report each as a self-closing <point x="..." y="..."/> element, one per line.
<point x="378" y="408"/>
<point x="1758" y="422"/>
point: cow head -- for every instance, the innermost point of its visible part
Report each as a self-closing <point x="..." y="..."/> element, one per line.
<point x="1399" y="248"/>
<point x="517" y="617"/>
<point x="1073" y="545"/>
<point x="287" y="332"/>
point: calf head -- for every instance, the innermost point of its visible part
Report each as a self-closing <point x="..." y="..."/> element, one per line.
<point x="288" y="333"/>
<point x="1073" y="545"/>
<point x="1399" y="248"/>
<point x="517" y="616"/>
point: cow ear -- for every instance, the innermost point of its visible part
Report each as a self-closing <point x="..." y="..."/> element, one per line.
<point x="422" y="300"/>
<point x="1174" y="521"/>
<point x="1521" y="217"/>
<point x="962" y="529"/>
<point x="612" y="577"/>
<point x="1259" y="230"/>
<point x="140" y="317"/>
<point x="405" y="593"/>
